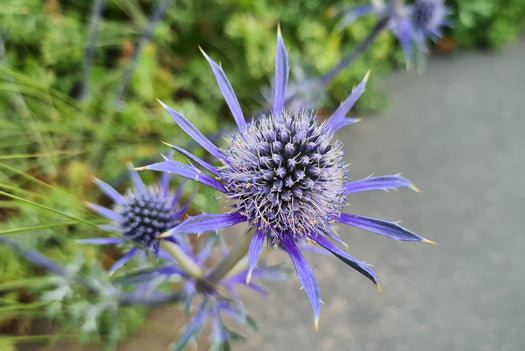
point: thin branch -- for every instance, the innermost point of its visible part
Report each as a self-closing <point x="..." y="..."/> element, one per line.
<point x="146" y="36"/>
<point x="18" y="100"/>
<point x="345" y="62"/>
<point x="126" y="300"/>
<point x="89" y="55"/>
<point x="231" y="259"/>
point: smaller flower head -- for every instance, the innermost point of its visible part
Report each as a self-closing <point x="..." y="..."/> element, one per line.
<point x="140" y="216"/>
<point x="146" y="214"/>
<point x="411" y="24"/>
<point x="213" y="302"/>
<point x="429" y="16"/>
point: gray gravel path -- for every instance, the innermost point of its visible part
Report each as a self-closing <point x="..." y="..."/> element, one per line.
<point x="458" y="133"/>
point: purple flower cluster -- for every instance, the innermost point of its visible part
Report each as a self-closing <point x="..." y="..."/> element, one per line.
<point x="139" y="216"/>
<point x="411" y="24"/>
<point x="284" y="175"/>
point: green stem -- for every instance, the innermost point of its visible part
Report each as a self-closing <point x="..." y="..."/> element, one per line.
<point x="185" y="262"/>
<point x="232" y="258"/>
<point x="36" y="227"/>
<point x="243" y="263"/>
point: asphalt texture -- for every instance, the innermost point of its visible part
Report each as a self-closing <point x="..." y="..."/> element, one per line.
<point x="458" y="132"/>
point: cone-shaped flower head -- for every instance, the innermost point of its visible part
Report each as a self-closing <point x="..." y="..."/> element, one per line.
<point x="429" y="16"/>
<point x="284" y="174"/>
<point x="146" y="214"/>
<point x="411" y="24"/>
<point x="141" y="215"/>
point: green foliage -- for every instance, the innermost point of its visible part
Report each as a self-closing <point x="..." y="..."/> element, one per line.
<point x="488" y="23"/>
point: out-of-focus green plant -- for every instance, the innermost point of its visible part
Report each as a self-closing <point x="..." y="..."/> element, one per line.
<point x="488" y="23"/>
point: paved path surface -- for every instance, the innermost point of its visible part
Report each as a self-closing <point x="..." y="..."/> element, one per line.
<point x="458" y="132"/>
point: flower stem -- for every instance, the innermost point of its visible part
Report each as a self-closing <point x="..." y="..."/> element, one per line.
<point x="146" y="36"/>
<point x="345" y="62"/>
<point x="231" y="259"/>
<point x="89" y="53"/>
<point x="185" y="262"/>
<point x="330" y="75"/>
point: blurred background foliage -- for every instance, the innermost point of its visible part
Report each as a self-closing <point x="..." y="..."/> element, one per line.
<point x="60" y="127"/>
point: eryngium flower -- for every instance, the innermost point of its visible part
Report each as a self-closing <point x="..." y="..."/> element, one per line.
<point x="140" y="216"/>
<point x="428" y="16"/>
<point x="284" y="175"/>
<point x="425" y="19"/>
<point x="411" y="24"/>
<point x="218" y="302"/>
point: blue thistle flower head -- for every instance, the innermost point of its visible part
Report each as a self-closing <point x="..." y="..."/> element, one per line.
<point x="139" y="216"/>
<point x="146" y="214"/>
<point x="429" y="16"/>
<point x="284" y="175"/>
<point x="411" y="24"/>
<point x="215" y="303"/>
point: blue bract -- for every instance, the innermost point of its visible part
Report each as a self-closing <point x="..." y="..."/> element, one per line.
<point x="285" y="176"/>
<point x="141" y="215"/>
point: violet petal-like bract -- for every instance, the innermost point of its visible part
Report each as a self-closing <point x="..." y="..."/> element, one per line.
<point x="335" y="237"/>
<point x="101" y="241"/>
<point x="387" y="182"/>
<point x="109" y="191"/>
<point x="256" y="245"/>
<point x="354" y="14"/>
<point x="122" y="261"/>
<point x="35" y="257"/>
<point x="105" y="212"/>
<point x="193" y="327"/>
<point x="178" y="214"/>
<point x="344" y="122"/>
<point x="305" y="274"/>
<point x="178" y="193"/>
<point x="202" y="163"/>
<point x="186" y="171"/>
<point x="227" y="92"/>
<point x="359" y="266"/>
<point x="135" y="178"/>
<point x="404" y="32"/>
<point x="389" y="229"/>
<point x="208" y="222"/>
<point x="165" y="184"/>
<point x="164" y="255"/>
<point x="338" y="117"/>
<point x="218" y="333"/>
<point x="193" y="132"/>
<point x="281" y="76"/>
